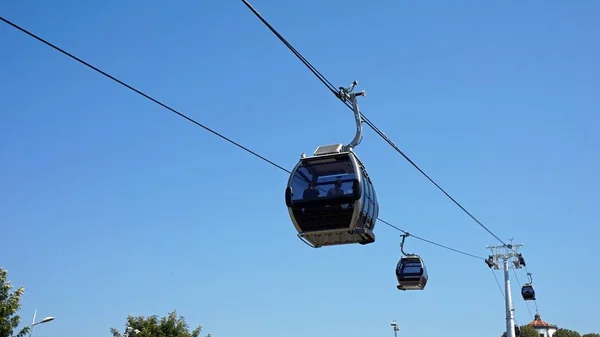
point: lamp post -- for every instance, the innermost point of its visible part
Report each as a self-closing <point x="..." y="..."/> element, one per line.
<point x="394" y="324"/>
<point x="34" y="323"/>
<point x="130" y="330"/>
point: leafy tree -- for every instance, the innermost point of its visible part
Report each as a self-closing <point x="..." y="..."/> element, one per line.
<point x="591" y="335"/>
<point x="168" y="326"/>
<point x="526" y="331"/>
<point x="10" y="303"/>
<point x="566" y="333"/>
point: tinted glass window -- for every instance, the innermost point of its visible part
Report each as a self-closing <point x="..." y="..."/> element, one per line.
<point x="365" y="195"/>
<point x="412" y="268"/>
<point x="320" y="179"/>
<point x="375" y="202"/>
<point x="369" y="199"/>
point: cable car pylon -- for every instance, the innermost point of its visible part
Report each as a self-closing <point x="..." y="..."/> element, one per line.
<point x="506" y="253"/>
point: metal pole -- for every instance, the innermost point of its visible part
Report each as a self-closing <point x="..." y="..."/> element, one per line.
<point x="510" y="323"/>
<point x="32" y="322"/>
<point x="506" y="253"/>
<point x="395" y="326"/>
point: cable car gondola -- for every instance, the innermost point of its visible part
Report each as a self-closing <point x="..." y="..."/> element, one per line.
<point x="528" y="292"/>
<point x="411" y="272"/>
<point x="330" y="197"/>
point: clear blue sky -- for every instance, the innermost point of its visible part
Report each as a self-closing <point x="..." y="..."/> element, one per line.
<point x="111" y="205"/>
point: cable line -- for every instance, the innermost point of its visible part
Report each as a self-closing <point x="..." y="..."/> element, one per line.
<point x="534" y="301"/>
<point x="498" y="283"/>
<point x="255" y="153"/>
<point x="519" y="283"/>
<point x="306" y="63"/>
<point x="502" y="293"/>
<point x="431" y="242"/>
<point x="142" y="94"/>
<point x="53" y="46"/>
<point x="367" y="121"/>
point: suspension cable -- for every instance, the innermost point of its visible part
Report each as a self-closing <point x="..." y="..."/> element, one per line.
<point x="502" y="293"/>
<point x="321" y="77"/>
<point x="430" y="242"/>
<point x="531" y="280"/>
<point x="141" y="93"/>
<point x="498" y="283"/>
<point x="520" y="286"/>
<point x="367" y="121"/>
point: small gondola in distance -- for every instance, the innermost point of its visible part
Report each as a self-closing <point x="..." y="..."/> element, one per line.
<point x="411" y="273"/>
<point x="528" y="292"/>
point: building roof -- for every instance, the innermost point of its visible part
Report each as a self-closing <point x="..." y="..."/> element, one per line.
<point x="538" y="323"/>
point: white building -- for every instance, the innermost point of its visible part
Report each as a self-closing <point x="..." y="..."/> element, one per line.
<point x="542" y="327"/>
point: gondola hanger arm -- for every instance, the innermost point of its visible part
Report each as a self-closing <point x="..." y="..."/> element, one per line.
<point x="346" y="94"/>
<point x="404" y="236"/>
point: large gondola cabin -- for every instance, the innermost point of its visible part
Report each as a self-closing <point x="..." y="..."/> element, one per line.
<point x="331" y="199"/>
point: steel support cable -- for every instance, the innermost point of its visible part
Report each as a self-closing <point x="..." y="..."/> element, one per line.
<point x="64" y="52"/>
<point x="531" y="280"/>
<point x="141" y="93"/>
<point x="520" y="286"/>
<point x="498" y="283"/>
<point x="502" y="293"/>
<point x="314" y="70"/>
<point x="368" y="122"/>
<point x="430" y="242"/>
<point x="534" y="301"/>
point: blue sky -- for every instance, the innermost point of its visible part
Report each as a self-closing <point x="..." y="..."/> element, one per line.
<point x="112" y="205"/>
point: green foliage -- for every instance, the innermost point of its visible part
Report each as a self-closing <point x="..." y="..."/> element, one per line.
<point x="168" y="326"/>
<point x="10" y="303"/>
<point x="526" y="331"/>
<point x="566" y="333"/>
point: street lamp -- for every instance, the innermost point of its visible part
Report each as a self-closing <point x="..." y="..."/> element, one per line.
<point x="394" y="324"/>
<point x="130" y="330"/>
<point x="45" y="320"/>
<point x="34" y="323"/>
